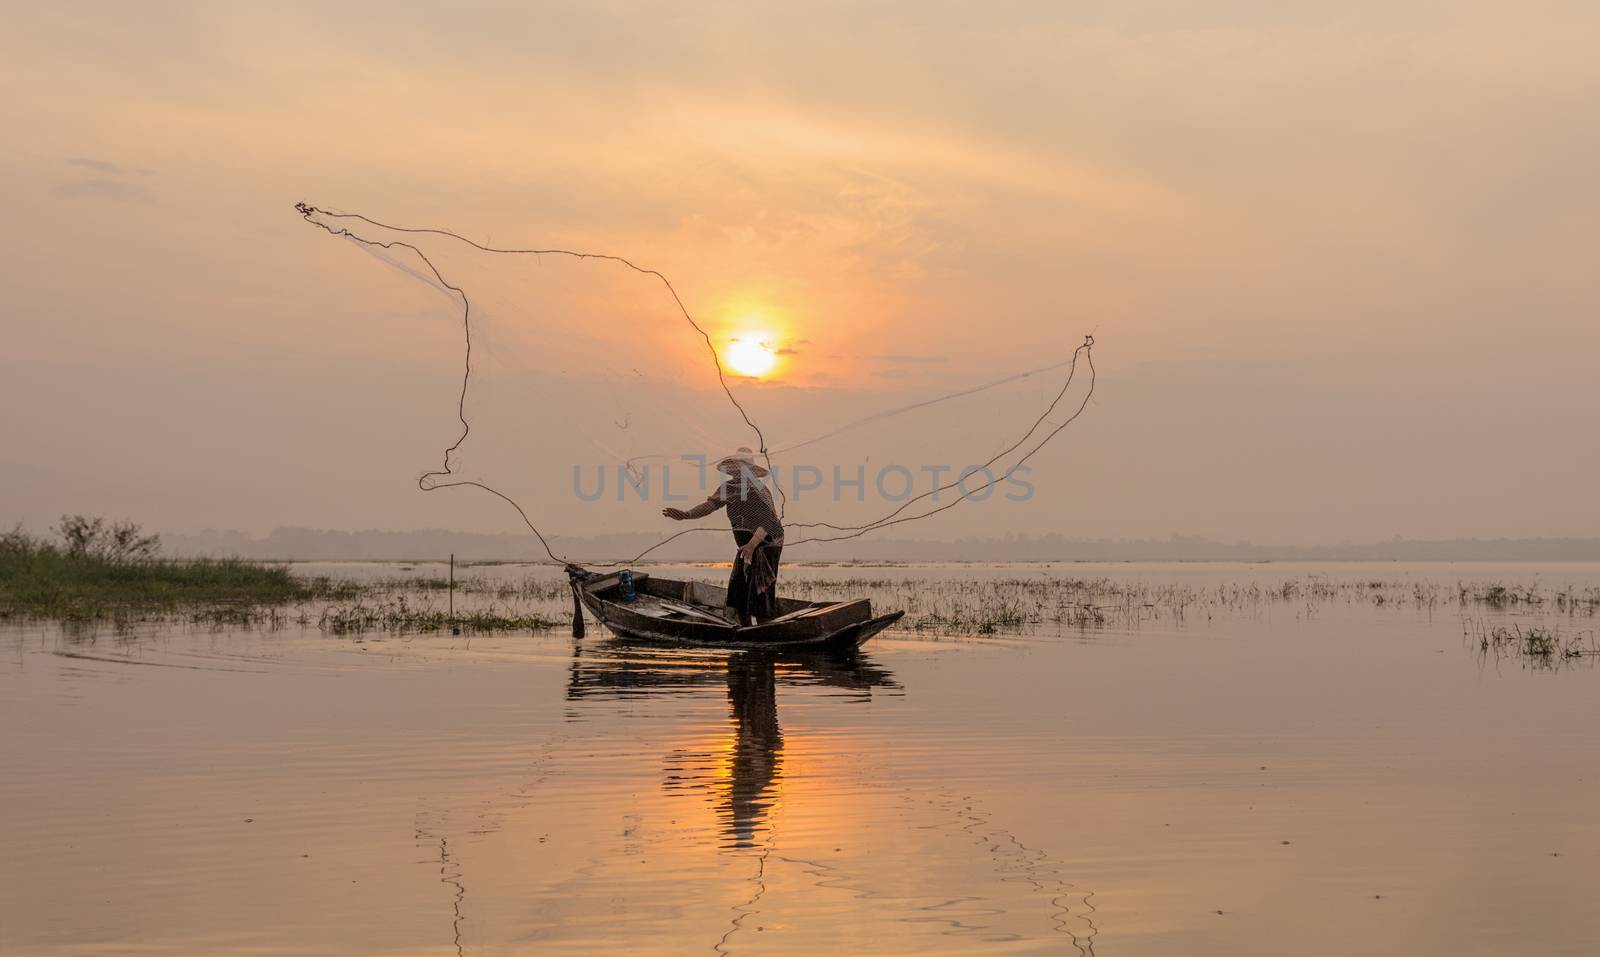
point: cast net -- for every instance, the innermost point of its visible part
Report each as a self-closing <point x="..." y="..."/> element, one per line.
<point x="592" y="397"/>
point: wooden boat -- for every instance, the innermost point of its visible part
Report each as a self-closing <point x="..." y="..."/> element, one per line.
<point x="683" y="612"/>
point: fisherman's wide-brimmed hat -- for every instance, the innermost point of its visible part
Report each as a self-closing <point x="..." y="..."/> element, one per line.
<point x="743" y="458"/>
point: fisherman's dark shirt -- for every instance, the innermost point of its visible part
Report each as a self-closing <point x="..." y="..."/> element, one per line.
<point x="749" y="506"/>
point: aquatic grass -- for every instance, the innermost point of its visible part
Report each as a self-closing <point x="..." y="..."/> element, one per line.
<point x="1499" y="595"/>
<point x="270" y="617"/>
<point x="398" y="614"/>
<point x="1539" y="645"/>
<point x="985" y="606"/>
<point x="1572" y="601"/>
<point x="417" y="583"/>
<point x="111" y="573"/>
<point x="529" y="588"/>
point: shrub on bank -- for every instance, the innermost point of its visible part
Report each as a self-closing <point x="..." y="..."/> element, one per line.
<point x="93" y="569"/>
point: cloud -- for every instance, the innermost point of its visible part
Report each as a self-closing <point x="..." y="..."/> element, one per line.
<point x="908" y="359"/>
<point x="100" y="186"/>
<point x="101" y="178"/>
<point x="104" y="167"/>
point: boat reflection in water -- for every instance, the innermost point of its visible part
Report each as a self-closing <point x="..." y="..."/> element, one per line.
<point x="984" y="883"/>
<point x="745" y="770"/>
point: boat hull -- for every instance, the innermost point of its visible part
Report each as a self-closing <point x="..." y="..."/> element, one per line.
<point x="678" y="612"/>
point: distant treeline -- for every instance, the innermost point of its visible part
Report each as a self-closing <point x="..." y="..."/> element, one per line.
<point x="308" y="544"/>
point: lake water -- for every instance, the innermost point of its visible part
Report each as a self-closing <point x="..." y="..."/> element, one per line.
<point x="1219" y="766"/>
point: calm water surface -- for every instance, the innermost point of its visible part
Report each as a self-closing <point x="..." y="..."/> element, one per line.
<point x="1277" y="777"/>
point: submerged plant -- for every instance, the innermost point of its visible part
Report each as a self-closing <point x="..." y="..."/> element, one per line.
<point x="398" y="614"/>
<point x="1538" y="644"/>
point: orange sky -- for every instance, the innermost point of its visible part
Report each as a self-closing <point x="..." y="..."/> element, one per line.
<point x="1337" y="259"/>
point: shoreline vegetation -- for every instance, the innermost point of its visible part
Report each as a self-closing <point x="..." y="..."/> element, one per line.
<point x="317" y="545"/>
<point x="93" y="572"/>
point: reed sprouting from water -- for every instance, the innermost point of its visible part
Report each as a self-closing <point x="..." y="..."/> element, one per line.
<point x="93" y="571"/>
<point x="522" y="589"/>
<point x="964" y="606"/>
<point x="983" y="606"/>
<point x="1539" y="645"/>
<point x="399" y="614"/>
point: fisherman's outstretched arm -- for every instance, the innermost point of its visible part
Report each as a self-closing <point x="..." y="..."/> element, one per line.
<point x="699" y="511"/>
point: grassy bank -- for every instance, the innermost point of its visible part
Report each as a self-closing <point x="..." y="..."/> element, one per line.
<point x="53" y="585"/>
<point x="92" y="573"/>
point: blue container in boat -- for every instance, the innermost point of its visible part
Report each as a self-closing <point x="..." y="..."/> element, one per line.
<point x="626" y="581"/>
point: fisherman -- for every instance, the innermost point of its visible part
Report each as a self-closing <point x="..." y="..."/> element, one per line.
<point x="757" y="531"/>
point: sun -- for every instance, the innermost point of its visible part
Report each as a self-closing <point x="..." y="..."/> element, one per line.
<point x="752" y="357"/>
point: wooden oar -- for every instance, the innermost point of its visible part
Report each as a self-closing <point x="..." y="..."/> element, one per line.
<point x="577" y="614"/>
<point x="575" y="576"/>
<point x="695" y="610"/>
